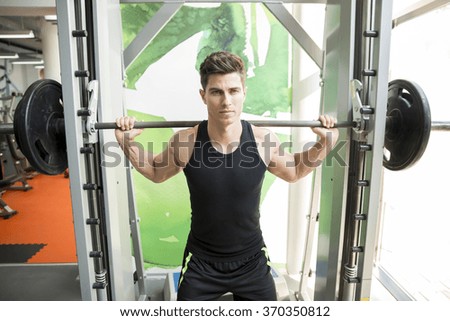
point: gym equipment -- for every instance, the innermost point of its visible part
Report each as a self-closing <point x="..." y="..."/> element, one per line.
<point x="39" y="125"/>
<point x="14" y="163"/>
<point x="409" y="118"/>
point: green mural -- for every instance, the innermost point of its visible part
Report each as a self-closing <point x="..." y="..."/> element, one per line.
<point x="164" y="208"/>
<point x="268" y="90"/>
<point x="223" y="28"/>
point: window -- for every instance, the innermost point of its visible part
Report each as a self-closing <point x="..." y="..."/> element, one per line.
<point x="415" y="239"/>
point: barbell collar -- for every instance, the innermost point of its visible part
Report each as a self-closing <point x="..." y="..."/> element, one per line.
<point x="58" y="126"/>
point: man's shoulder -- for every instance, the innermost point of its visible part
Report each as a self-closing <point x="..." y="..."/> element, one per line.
<point x="186" y="134"/>
<point x="261" y="133"/>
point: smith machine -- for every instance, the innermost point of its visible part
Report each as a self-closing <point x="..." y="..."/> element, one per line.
<point x="385" y="123"/>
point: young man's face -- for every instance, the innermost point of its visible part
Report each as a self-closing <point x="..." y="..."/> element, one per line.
<point x="224" y="97"/>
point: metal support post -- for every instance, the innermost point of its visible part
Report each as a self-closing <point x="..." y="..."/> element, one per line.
<point x="349" y="279"/>
<point x="377" y="99"/>
<point x="337" y="73"/>
<point x="101" y="216"/>
<point x="116" y="195"/>
<point x="372" y="51"/>
<point x="73" y="100"/>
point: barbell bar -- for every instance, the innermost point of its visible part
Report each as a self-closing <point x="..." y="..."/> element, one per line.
<point x="192" y="123"/>
<point x="435" y="125"/>
<point x="440" y="126"/>
<point x="40" y="133"/>
<point x="59" y="124"/>
<point x="8" y="128"/>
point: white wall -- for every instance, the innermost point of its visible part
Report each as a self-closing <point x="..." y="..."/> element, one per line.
<point x="21" y="76"/>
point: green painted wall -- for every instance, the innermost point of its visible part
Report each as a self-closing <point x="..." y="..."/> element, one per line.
<point x="164" y="208"/>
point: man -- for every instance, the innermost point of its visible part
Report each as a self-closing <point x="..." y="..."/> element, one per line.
<point x="224" y="160"/>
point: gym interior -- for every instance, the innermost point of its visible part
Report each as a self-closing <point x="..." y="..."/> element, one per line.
<point x="77" y="222"/>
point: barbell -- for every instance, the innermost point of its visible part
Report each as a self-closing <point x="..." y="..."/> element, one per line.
<point x="39" y="126"/>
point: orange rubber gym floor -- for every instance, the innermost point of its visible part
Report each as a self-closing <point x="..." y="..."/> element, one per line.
<point x="42" y="230"/>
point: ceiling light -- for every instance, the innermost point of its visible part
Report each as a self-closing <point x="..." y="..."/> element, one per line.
<point x="50" y="17"/>
<point x="16" y="34"/>
<point x="27" y="62"/>
<point x="8" y="55"/>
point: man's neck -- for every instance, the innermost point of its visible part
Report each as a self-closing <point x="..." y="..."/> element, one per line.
<point x="227" y="136"/>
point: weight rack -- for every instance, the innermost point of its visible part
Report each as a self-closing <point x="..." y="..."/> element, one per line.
<point x="337" y="62"/>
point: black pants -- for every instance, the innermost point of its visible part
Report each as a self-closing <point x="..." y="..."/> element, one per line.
<point x="249" y="279"/>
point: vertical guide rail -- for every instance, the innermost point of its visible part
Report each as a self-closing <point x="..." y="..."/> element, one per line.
<point x="356" y="181"/>
<point x="81" y="67"/>
<point x="88" y="197"/>
<point x="93" y="186"/>
<point x="377" y="98"/>
<point x="116" y="196"/>
<point x="372" y="52"/>
<point x="72" y="88"/>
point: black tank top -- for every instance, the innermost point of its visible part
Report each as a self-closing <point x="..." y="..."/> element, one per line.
<point x="225" y="191"/>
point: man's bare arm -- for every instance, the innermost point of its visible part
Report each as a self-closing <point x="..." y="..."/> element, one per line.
<point x="292" y="167"/>
<point x="155" y="167"/>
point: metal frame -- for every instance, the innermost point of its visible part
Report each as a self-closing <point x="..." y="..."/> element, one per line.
<point x="108" y="58"/>
<point x="377" y="99"/>
<point x="170" y="8"/>
<point x="391" y="285"/>
<point x="74" y="136"/>
<point x="150" y="30"/>
<point x="337" y="64"/>
<point x="417" y="9"/>
<point x="294" y="28"/>
<point x="303" y="196"/>
<point x="337" y="73"/>
<point x="303" y="292"/>
<point x="117" y="197"/>
<point x="331" y="234"/>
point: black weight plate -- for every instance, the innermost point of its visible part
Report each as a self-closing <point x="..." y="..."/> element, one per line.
<point x="409" y="118"/>
<point x="34" y="120"/>
<point x="16" y="121"/>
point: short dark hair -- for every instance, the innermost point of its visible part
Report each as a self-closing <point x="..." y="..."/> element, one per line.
<point x="221" y="62"/>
